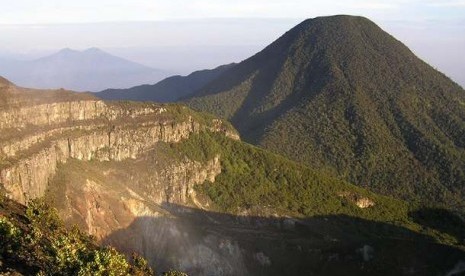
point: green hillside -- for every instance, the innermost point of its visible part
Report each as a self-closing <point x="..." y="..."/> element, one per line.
<point x="262" y="183"/>
<point x="340" y="94"/>
<point x="263" y="202"/>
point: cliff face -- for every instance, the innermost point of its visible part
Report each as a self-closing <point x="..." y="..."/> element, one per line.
<point x="38" y="135"/>
<point x="102" y="165"/>
<point x="104" y="196"/>
<point x="118" y="172"/>
<point x="52" y="113"/>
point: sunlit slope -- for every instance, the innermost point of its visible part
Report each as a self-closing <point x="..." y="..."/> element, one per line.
<point x="340" y="94"/>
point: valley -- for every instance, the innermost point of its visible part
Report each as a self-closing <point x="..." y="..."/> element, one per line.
<point x="344" y="155"/>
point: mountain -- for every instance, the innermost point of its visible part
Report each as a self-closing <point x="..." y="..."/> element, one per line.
<point x="339" y="94"/>
<point x="181" y="189"/>
<point x="88" y="70"/>
<point x="168" y="90"/>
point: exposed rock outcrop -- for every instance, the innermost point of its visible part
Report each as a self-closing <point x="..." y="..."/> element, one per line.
<point x="35" y="138"/>
<point x="102" y="165"/>
<point x="359" y="200"/>
<point x="105" y="199"/>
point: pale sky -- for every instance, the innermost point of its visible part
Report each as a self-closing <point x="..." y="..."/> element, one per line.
<point x="64" y="11"/>
<point x="186" y="35"/>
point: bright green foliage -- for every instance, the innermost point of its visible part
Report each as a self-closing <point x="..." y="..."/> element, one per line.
<point x="69" y="250"/>
<point x="263" y="183"/>
<point x="254" y="178"/>
<point x="106" y="261"/>
<point x="140" y="267"/>
<point x="10" y="236"/>
<point x="34" y="239"/>
<point x="338" y="93"/>
<point x="174" y="273"/>
<point x="41" y="215"/>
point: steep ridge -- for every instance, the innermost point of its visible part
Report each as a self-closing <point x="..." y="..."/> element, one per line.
<point x="212" y="206"/>
<point x="340" y="94"/>
<point x="168" y="90"/>
<point x="35" y="241"/>
<point x="181" y="189"/>
<point x="35" y="138"/>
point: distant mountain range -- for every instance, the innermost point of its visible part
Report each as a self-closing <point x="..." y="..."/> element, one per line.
<point x="340" y="94"/>
<point x="88" y="70"/>
<point x="168" y="90"/>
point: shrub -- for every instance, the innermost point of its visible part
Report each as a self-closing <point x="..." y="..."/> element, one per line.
<point x="174" y="273"/>
<point x="43" y="246"/>
<point x="40" y="214"/>
<point x="105" y="261"/>
<point x="10" y="236"/>
<point x="140" y="267"/>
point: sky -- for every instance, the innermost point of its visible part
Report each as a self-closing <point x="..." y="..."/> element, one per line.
<point x="186" y="35"/>
<point x="85" y="11"/>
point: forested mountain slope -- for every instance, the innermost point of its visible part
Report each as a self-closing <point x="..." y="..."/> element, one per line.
<point x="180" y="188"/>
<point x="340" y="94"/>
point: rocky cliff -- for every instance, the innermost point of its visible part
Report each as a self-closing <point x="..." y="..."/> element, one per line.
<point x="38" y="134"/>
<point x="102" y="164"/>
<point x="101" y="197"/>
<point x="159" y="180"/>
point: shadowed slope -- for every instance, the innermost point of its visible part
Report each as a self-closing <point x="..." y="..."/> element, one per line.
<point x="168" y="90"/>
<point x="208" y="243"/>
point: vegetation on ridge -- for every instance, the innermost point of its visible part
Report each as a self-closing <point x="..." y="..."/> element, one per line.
<point x="338" y="93"/>
<point x="168" y="90"/>
<point x="33" y="240"/>
<point x="257" y="181"/>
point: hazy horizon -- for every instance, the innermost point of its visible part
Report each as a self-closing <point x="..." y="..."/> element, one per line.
<point x="185" y="36"/>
